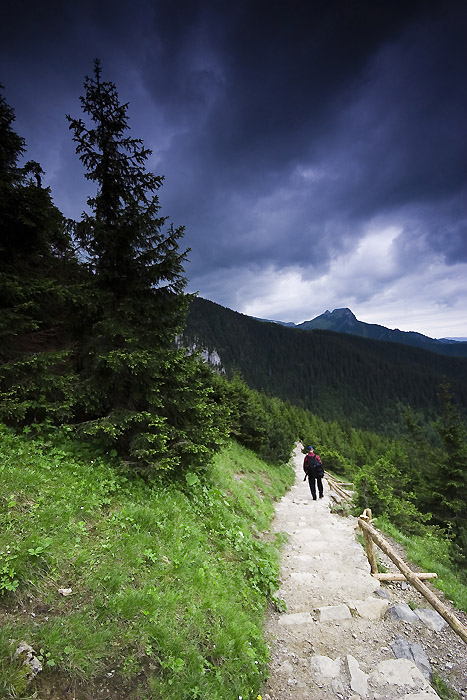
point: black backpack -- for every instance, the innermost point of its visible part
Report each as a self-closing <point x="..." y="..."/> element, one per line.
<point x="314" y="466"/>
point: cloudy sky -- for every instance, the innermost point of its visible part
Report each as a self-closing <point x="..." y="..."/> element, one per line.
<point x="315" y="151"/>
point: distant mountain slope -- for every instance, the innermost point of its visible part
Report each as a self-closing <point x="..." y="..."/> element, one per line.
<point x="344" y="321"/>
<point x="336" y="375"/>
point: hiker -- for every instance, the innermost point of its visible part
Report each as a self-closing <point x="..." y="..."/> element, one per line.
<point x="313" y="468"/>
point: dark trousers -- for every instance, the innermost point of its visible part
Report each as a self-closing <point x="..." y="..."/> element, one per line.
<point x="311" y="481"/>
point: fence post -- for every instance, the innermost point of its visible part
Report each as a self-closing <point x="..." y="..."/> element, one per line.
<point x="370" y="550"/>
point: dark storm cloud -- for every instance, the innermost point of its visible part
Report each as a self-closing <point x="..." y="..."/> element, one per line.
<point x="372" y="100"/>
<point x="287" y="132"/>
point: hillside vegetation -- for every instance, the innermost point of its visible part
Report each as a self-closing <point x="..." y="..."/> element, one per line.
<point x="168" y="583"/>
<point x="338" y="376"/>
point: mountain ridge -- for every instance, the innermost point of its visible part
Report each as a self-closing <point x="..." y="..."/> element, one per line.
<point x="336" y="375"/>
<point x="343" y="320"/>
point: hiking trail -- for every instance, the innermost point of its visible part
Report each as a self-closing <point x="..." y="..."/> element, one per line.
<point x="342" y="631"/>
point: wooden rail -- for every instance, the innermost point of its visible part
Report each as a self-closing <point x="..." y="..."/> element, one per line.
<point x="338" y="492"/>
<point x="371" y="535"/>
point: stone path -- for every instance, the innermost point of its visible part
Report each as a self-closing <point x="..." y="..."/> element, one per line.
<point x="336" y="638"/>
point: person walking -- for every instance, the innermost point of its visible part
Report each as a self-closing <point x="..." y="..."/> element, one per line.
<point x="313" y="468"/>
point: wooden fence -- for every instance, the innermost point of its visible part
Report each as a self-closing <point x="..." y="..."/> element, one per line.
<point x="340" y="492"/>
<point x="371" y="534"/>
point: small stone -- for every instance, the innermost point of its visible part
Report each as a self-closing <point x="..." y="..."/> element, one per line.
<point x="383" y="593"/>
<point x="65" y="591"/>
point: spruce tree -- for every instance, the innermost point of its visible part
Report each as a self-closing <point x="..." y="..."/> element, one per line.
<point x="36" y="269"/>
<point x="451" y="483"/>
<point x="130" y="368"/>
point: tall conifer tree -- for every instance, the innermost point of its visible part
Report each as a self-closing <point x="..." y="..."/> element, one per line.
<point x="138" y="392"/>
<point x="36" y="269"/>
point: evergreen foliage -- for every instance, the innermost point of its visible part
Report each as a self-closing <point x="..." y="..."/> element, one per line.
<point x="450" y="479"/>
<point x="38" y="273"/>
<point x="340" y="377"/>
<point x="128" y="363"/>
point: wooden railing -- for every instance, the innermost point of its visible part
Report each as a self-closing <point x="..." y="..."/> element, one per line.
<point x="338" y="489"/>
<point x="371" y="534"/>
<point x="340" y="493"/>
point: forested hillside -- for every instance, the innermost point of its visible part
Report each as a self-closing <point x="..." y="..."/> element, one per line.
<point x="337" y="376"/>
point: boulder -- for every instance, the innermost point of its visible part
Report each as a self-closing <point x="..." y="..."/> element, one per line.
<point x="295" y="619"/>
<point x="403" y="649"/>
<point x="431" y="619"/>
<point x="398" y="673"/>
<point x="401" y="611"/>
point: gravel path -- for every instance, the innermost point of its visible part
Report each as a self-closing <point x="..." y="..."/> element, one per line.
<point x="334" y="640"/>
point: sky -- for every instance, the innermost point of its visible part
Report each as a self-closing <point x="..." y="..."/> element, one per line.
<point x="315" y="151"/>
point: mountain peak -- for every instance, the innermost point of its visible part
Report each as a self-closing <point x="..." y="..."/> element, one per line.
<point x="340" y="313"/>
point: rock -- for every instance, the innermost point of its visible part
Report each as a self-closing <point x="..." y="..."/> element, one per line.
<point x="286" y="668"/>
<point x="403" y="649"/>
<point x="399" y="672"/>
<point x="358" y="679"/>
<point x="296" y="619"/>
<point x="431" y="619"/>
<point x="35" y="666"/>
<point x="24" y="647"/>
<point x="383" y="593"/>
<point x="330" y="613"/>
<point x="370" y="609"/>
<point x="401" y="611"/>
<point x="31" y="660"/>
<point x="337" y="687"/>
<point x="65" y="591"/>
<point x="325" y="667"/>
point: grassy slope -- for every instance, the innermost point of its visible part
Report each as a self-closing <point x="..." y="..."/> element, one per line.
<point x="432" y="553"/>
<point x="169" y="584"/>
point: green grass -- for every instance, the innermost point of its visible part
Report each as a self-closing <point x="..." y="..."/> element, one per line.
<point x="169" y="582"/>
<point x="432" y="553"/>
<point x="444" y="690"/>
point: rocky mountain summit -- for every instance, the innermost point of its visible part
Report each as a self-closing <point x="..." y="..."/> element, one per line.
<point x="344" y="321"/>
<point x="344" y="636"/>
